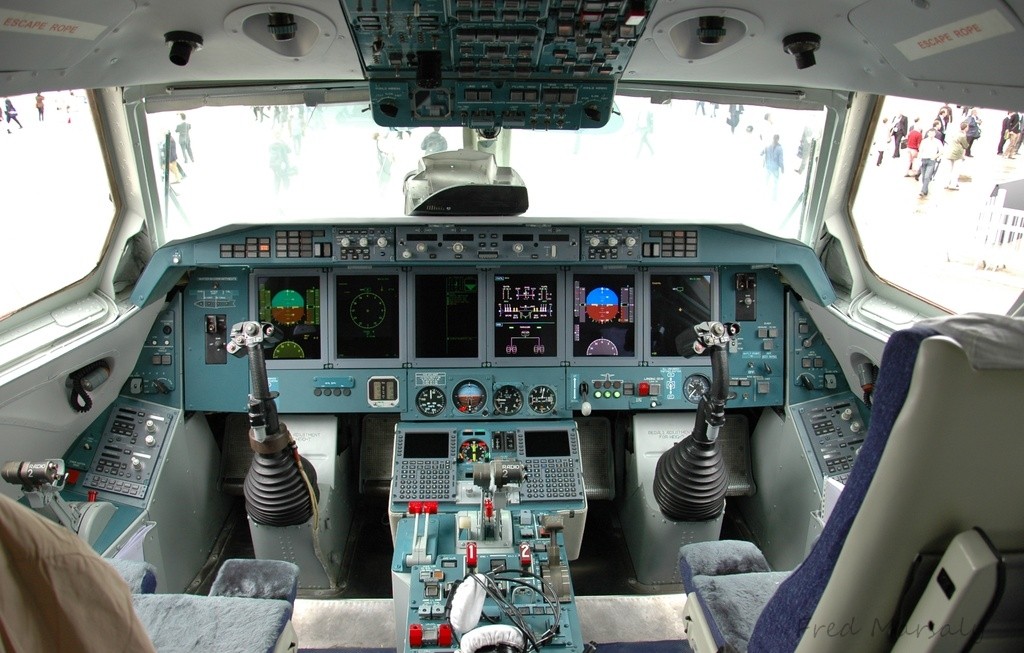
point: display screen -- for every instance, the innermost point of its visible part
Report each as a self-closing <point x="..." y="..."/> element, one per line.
<point x="678" y="303"/>
<point x="367" y="312"/>
<point x="447" y="316"/>
<point x="292" y="305"/>
<point x="428" y="444"/>
<point x="544" y="444"/>
<point x="604" y="315"/>
<point x="525" y="315"/>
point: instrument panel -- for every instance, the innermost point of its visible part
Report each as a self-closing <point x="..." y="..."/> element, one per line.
<point x="451" y="322"/>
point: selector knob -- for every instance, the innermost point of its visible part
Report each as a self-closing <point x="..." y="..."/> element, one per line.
<point x="846" y="415"/>
<point x="346" y="242"/>
<point x="458" y="248"/>
<point x="136" y="463"/>
<point x="613" y="241"/>
<point x="382" y="242"/>
<point x="518" y="248"/>
<point x="856" y="427"/>
<point x="150" y="441"/>
<point x="594" y="241"/>
<point x="364" y="241"/>
<point x="630" y="241"/>
<point x="406" y="253"/>
<point x="420" y="247"/>
<point x="150" y="426"/>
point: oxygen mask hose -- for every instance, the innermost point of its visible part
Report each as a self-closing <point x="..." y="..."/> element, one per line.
<point x="691" y="479"/>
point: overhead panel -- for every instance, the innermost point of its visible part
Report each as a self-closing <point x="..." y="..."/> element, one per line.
<point x="487" y="64"/>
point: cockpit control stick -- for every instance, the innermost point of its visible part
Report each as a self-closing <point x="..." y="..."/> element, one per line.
<point x="280" y="488"/>
<point x="41" y="482"/>
<point x="690" y="479"/>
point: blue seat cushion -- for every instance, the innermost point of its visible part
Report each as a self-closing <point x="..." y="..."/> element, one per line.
<point x="186" y="622"/>
<point x="734" y="602"/>
<point x="257" y="579"/>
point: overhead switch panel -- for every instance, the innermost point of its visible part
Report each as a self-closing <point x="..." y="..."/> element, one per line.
<point x="487" y="64"/>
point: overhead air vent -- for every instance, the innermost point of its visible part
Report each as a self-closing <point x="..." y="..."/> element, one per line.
<point x="287" y="30"/>
<point x="699" y="35"/>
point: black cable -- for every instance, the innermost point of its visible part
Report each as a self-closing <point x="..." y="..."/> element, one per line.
<point x="551" y="601"/>
<point x="80" y="400"/>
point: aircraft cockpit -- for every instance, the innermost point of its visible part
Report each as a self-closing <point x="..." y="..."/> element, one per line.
<point x="484" y="326"/>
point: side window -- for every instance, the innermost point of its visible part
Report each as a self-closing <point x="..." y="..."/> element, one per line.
<point x="57" y="204"/>
<point x="940" y="205"/>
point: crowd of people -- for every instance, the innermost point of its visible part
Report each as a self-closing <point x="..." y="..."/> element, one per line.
<point x="936" y="150"/>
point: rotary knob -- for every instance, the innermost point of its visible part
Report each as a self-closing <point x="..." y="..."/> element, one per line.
<point x="518" y="248"/>
<point x="421" y="247"/>
<point x="150" y="426"/>
<point x="364" y="242"/>
<point x="458" y="248"/>
<point x="630" y="241"/>
<point x="382" y="242"/>
<point x="136" y="463"/>
<point x="346" y="242"/>
<point x="613" y="241"/>
<point x="150" y="441"/>
<point x="594" y="241"/>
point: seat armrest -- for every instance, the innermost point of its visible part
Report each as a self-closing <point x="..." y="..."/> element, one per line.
<point x="257" y="579"/>
<point x="140" y="576"/>
<point x="719" y="558"/>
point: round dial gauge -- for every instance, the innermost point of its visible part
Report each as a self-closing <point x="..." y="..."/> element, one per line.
<point x="541" y="399"/>
<point x="508" y="400"/>
<point x="474" y="451"/>
<point x="431" y="400"/>
<point x="695" y="386"/>
<point x="367" y="310"/>
<point x="469" y="397"/>
<point x="602" y="347"/>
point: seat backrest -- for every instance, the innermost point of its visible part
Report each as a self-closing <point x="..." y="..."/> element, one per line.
<point x="943" y="454"/>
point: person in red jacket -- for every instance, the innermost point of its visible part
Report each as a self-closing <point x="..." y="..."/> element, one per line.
<point x="913" y="146"/>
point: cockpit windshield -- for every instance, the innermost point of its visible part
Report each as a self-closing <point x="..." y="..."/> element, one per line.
<point x="673" y="160"/>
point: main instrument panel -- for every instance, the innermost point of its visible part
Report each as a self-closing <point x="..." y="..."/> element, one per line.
<point x="460" y="322"/>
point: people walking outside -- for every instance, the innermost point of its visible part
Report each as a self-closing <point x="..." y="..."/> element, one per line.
<point x="40" y="105"/>
<point x="184" y="130"/>
<point x="956" y="150"/>
<point x="913" y="144"/>
<point x="774" y="165"/>
<point x="280" y="164"/>
<point x="169" y="159"/>
<point x="12" y="114"/>
<point x="929" y="152"/>
<point x="973" y="130"/>
<point x="882" y="136"/>
<point x="434" y="142"/>
<point x="899" y="131"/>
<point x="1011" y="127"/>
<point x="735" y="111"/>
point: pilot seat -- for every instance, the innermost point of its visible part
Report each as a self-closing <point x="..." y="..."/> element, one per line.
<point x="923" y="548"/>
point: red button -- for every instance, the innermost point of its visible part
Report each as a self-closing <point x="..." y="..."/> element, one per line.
<point x="415" y="635"/>
<point x="72" y="476"/>
<point x="643" y="388"/>
<point x="444" y="635"/>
